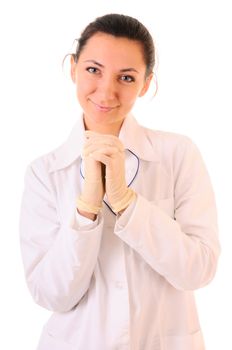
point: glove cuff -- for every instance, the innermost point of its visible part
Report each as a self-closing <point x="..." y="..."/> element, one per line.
<point x="89" y="208"/>
<point x="129" y="197"/>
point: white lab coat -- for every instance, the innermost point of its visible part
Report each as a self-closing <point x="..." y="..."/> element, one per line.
<point x="121" y="282"/>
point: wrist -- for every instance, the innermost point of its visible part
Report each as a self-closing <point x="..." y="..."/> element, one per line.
<point x="83" y="205"/>
<point x="90" y="216"/>
<point x="121" y="205"/>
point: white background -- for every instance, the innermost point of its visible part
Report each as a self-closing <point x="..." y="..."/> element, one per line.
<point x="38" y="110"/>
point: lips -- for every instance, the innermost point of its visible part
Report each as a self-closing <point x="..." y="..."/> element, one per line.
<point x="102" y="108"/>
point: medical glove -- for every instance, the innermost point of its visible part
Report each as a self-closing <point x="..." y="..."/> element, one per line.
<point x="93" y="191"/>
<point x="109" y="150"/>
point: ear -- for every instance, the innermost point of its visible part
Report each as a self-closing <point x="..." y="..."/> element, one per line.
<point x="146" y="85"/>
<point x="73" y="69"/>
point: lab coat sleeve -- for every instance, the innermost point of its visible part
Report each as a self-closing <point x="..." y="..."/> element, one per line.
<point x="184" y="248"/>
<point x="58" y="259"/>
<point x="78" y="221"/>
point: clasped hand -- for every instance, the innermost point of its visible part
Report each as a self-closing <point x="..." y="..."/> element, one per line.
<point x="104" y="164"/>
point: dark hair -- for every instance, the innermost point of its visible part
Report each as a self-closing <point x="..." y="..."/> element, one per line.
<point x="119" y="26"/>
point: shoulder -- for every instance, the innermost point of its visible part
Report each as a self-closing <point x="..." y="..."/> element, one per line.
<point x="169" y="141"/>
<point x="179" y="153"/>
<point x="165" y="136"/>
<point x="39" y="167"/>
<point x="173" y="149"/>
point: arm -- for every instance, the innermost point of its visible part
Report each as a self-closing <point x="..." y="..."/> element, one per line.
<point x="59" y="260"/>
<point x="184" y="248"/>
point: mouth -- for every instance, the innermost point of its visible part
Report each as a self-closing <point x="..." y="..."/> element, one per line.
<point x="103" y="108"/>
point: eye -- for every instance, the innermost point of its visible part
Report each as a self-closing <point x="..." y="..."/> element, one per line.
<point x="127" y="78"/>
<point x="92" y="70"/>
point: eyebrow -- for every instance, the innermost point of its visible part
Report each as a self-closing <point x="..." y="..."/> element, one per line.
<point x="121" y="70"/>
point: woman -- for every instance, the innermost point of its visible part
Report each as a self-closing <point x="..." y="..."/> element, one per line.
<point x="118" y="225"/>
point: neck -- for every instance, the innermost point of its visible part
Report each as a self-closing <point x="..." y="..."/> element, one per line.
<point x="111" y="129"/>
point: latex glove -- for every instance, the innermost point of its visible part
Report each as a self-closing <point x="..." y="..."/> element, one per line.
<point x="93" y="192"/>
<point x="109" y="150"/>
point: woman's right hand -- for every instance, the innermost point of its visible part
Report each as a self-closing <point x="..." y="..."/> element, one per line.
<point x="94" y="182"/>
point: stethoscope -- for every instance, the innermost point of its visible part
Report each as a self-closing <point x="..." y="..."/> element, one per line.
<point x="136" y="172"/>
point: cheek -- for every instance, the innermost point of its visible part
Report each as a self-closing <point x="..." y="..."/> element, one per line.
<point x="130" y="96"/>
<point x="83" y="88"/>
<point x="83" y="81"/>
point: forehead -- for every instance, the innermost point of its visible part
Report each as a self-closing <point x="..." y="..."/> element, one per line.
<point x="108" y="48"/>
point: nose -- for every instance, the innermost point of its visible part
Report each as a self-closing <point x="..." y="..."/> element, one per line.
<point x="107" y="90"/>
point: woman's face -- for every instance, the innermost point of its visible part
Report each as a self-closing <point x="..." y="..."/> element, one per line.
<point x="109" y="76"/>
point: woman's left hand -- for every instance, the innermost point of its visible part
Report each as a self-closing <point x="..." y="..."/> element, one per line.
<point x="109" y="150"/>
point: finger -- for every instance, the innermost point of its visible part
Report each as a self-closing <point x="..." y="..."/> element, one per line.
<point x="98" y="141"/>
<point x="100" y="157"/>
<point x="103" y="139"/>
<point x="101" y="148"/>
<point x="92" y="135"/>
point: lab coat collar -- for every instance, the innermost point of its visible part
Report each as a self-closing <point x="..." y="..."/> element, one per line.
<point x="133" y="136"/>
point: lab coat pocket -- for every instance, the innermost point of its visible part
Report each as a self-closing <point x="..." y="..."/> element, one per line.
<point x="167" y="205"/>
<point x="192" y="341"/>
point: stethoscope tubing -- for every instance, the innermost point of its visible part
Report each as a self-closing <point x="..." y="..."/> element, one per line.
<point x="138" y="165"/>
